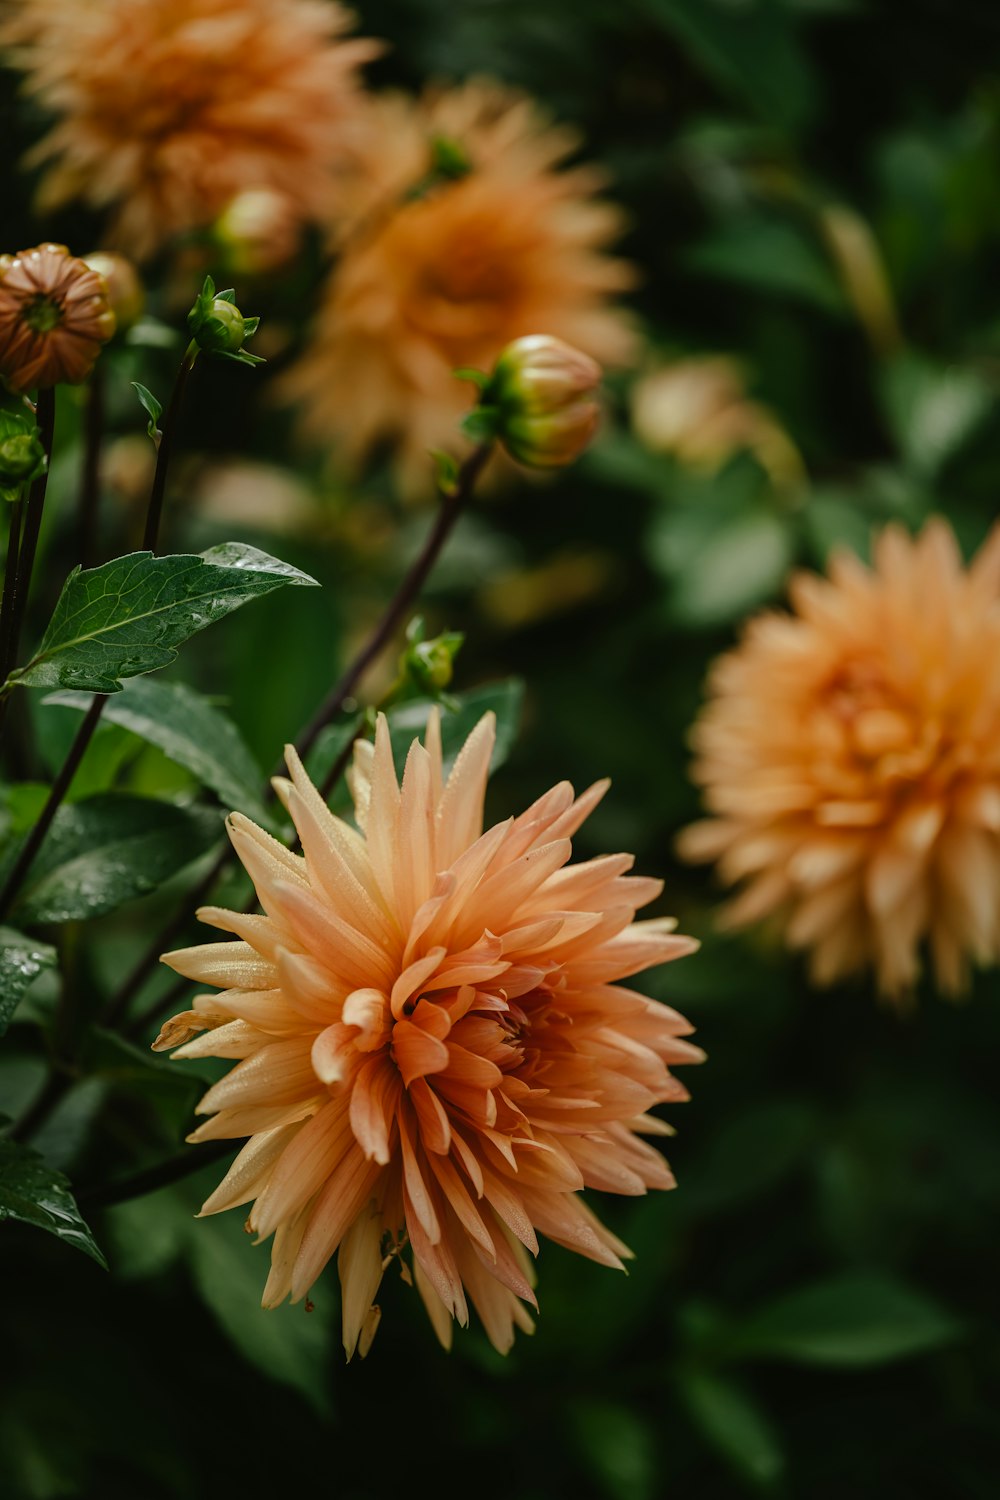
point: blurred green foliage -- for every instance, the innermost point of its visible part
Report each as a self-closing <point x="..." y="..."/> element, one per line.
<point x="814" y="1311"/>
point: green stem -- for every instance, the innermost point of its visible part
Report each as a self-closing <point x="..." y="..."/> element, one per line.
<point x="402" y="601"/>
<point x="46" y="419"/>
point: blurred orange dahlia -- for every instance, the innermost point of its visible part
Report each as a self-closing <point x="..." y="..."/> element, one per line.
<point x="442" y="268"/>
<point x="850" y="755"/>
<point x="169" y="108"/>
<point x="435" y="1050"/>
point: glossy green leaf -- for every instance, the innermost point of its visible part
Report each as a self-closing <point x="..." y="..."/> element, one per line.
<point x="128" y="616"/>
<point x="856" y="1319"/>
<point x="733" y="1424"/>
<point x="191" y="731"/>
<point x="22" y="959"/>
<point x="34" y="1193"/>
<point x="108" y="849"/>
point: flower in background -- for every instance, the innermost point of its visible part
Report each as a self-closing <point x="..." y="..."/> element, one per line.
<point x="850" y="755"/>
<point x="697" y="409"/>
<point x="436" y="1051"/>
<point x="169" y="108"/>
<point x="55" y="316"/>
<point x="467" y="233"/>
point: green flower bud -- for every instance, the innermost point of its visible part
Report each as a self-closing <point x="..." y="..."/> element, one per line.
<point x="22" y="456"/>
<point x="539" y="395"/>
<point x="218" y="327"/>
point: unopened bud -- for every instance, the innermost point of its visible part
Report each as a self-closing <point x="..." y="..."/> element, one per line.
<point x="22" y="456"/>
<point x="218" y="327"/>
<point x="541" y="391"/>
<point x="125" y="291"/>
<point x="258" y="231"/>
<point x="427" y="666"/>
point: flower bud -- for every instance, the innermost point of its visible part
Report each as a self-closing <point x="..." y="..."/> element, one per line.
<point x="540" y="389"/>
<point x="218" y="327"/>
<point x="22" y="456"/>
<point x="125" y="291"/>
<point x="258" y="231"/>
<point x="55" y="315"/>
<point x="428" y="665"/>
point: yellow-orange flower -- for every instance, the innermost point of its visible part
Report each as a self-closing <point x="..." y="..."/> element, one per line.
<point x="850" y="755"/>
<point x="55" y="315"/>
<point x="435" y="1048"/>
<point x="439" y="273"/>
<point x="168" y="108"/>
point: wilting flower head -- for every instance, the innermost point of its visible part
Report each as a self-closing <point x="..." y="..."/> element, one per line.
<point x="542" y="390"/>
<point x="168" y="108"/>
<point x="850" y="755"/>
<point x="443" y="269"/>
<point x="436" y="1051"/>
<point x="697" y="409"/>
<point x="54" y="317"/>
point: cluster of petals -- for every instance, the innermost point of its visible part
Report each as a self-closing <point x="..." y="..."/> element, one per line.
<point x="55" y="316"/>
<point x="440" y="272"/>
<point x="850" y="756"/>
<point x="435" y="1054"/>
<point x="167" y="109"/>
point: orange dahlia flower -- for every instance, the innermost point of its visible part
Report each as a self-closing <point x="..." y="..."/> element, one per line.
<point x="55" y="314"/>
<point x="850" y="755"/>
<point x="169" y="108"/>
<point x="435" y="1049"/>
<point x="439" y="273"/>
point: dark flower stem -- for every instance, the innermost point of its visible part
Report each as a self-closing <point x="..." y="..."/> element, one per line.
<point x="402" y="601"/>
<point x="155" y="509"/>
<point x="151" y="1178"/>
<point x="85" y="733"/>
<point x="9" y="577"/>
<point x="45" y="416"/>
<point x="90" y="476"/>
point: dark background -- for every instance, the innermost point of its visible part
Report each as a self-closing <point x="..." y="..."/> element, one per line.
<point x="813" y="1312"/>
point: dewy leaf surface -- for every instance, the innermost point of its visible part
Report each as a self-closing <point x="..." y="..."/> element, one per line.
<point x="108" y="849"/>
<point x="34" y="1193"/>
<point x="129" y="615"/>
<point x="189" y="729"/>
<point x="22" y="959"/>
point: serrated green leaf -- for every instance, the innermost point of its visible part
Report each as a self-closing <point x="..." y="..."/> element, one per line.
<point x="733" y="1424"/>
<point x="22" y="959"/>
<point x="108" y="849"/>
<point x="32" y="1192"/>
<point x="191" y="731"/>
<point x="857" y="1319"/>
<point x="128" y="616"/>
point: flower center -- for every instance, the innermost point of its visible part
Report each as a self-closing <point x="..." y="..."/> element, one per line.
<point x="43" y="313"/>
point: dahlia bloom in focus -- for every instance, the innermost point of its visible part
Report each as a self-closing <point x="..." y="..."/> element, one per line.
<point x="438" y="274"/>
<point x="850" y="755"/>
<point x="55" y="315"/>
<point x="436" y="1054"/>
<point x="169" y="108"/>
